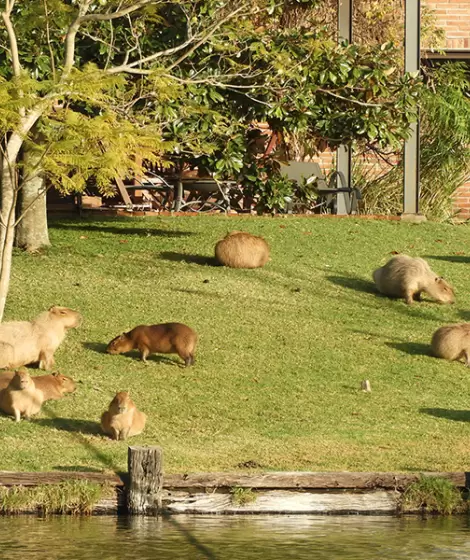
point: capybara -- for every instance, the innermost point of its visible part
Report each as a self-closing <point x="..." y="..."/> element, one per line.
<point x="167" y="338"/>
<point x="21" y="397"/>
<point x="28" y="342"/>
<point x="452" y="342"/>
<point x="406" y="277"/>
<point x="53" y="385"/>
<point x="122" y="419"/>
<point x="239" y="249"/>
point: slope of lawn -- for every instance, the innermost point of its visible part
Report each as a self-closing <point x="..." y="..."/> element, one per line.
<point x="281" y="355"/>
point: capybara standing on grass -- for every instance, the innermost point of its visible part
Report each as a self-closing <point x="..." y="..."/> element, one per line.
<point x="167" y="338"/>
<point x="53" y="385"/>
<point x="242" y="250"/>
<point x="122" y="419"/>
<point x="21" y="397"/>
<point x="28" y="342"/>
<point x="452" y="342"/>
<point x="406" y="277"/>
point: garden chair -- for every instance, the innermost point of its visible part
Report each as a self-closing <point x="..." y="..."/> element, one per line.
<point x="327" y="191"/>
<point x="203" y="194"/>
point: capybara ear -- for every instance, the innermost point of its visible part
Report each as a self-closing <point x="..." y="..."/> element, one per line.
<point x="56" y="374"/>
<point x="53" y="308"/>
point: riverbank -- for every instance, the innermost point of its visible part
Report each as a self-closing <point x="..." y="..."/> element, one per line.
<point x="232" y="493"/>
<point x="146" y="490"/>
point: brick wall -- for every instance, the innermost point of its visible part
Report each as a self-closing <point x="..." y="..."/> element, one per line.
<point x="454" y="17"/>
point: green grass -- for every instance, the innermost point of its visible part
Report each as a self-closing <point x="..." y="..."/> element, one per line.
<point x="72" y="497"/>
<point x="432" y="495"/>
<point x="282" y="352"/>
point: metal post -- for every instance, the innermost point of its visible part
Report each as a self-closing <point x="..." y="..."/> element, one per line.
<point x="343" y="153"/>
<point x="411" y="148"/>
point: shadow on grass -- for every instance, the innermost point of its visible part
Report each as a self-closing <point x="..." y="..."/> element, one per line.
<point x="357" y="284"/>
<point x="455" y="415"/>
<point x="124" y="230"/>
<point x="464" y="315"/>
<point x="450" y="258"/>
<point x="99" y="347"/>
<point x="70" y="425"/>
<point x="184" y="257"/>
<point x="412" y="348"/>
<point x="133" y="354"/>
<point x="77" y="468"/>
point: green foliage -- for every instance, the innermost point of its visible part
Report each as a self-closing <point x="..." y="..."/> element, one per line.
<point x="445" y="152"/>
<point x="72" y="497"/>
<point x="242" y="496"/>
<point x="432" y="494"/>
<point x="144" y="93"/>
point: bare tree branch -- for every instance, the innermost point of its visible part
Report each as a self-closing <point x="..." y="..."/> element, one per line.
<point x="195" y="40"/>
<point x="15" y="58"/>
<point x="118" y="13"/>
<point x="349" y="99"/>
<point x="51" y="53"/>
<point x="210" y="33"/>
<point x="69" y="58"/>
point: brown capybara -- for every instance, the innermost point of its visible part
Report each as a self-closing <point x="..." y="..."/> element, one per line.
<point x="452" y="342"/>
<point x="28" y="342"/>
<point x="53" y="386"/>
<point x="21" y="397"/>
<point x="122" y="419"/>
<point x="167" y="338"/>
<point x="406" y="277"/>
<point x="239" y="249"/>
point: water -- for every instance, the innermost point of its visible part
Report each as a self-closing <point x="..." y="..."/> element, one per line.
<point x="233" y="538"/>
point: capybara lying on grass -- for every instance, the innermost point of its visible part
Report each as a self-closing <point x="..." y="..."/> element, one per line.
<point x="406" y="277"/>
<point x="28" y="342"/>
<point x="452" y="342"/>
<point x="167" y="338"/>
<point x="53" y="386"/>
<point x="122" y="419"/>
<point x="242" y="250"/>
<point x="21" y="397"/>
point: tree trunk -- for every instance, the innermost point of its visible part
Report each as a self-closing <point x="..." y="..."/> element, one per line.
<point x="7" y="229"/>
<point x="31" y="231"/>
<point x="9" y="196"/>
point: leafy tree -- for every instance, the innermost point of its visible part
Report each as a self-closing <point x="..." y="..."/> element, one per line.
<point x="88" y="87"/>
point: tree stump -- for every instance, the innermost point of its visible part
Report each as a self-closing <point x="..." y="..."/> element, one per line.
<point x="145" y="480"/>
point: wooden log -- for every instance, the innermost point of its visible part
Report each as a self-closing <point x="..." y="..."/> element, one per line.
<point x="281" y="501"/>
<point x="269" y="480"/>
<point x="305" y="480"/>
<point x="145" y="480"/>
<point x="36" y="478"/>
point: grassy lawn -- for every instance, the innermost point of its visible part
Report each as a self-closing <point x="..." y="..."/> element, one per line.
<point x="282" y="350"/>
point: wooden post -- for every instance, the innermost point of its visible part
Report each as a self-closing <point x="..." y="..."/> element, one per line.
<point x="145" y="480"/>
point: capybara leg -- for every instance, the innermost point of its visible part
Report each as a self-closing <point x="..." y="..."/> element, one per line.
<point x="466" y="355"/>
<point x="123" y="434"/>
<point x="114" y="433"/>
<point x="17" y="415"/>
<point x="46" y="360"/>
<point x="189" y="360"/>
<point x="144" y="352"/>
<point x="409" y="298"/>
